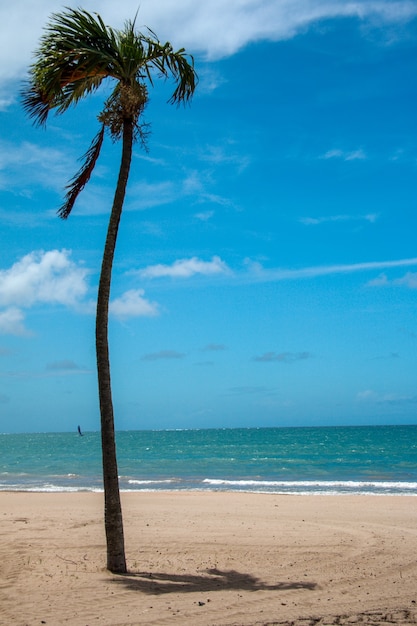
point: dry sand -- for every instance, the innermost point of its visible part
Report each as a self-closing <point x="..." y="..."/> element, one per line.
<point x="210" y="559"/>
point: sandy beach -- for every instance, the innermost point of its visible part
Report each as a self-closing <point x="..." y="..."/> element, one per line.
<point x="210" y="559"/>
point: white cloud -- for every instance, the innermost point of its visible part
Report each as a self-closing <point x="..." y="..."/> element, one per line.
<point x="141" y="196"/>
<point x="196" y="184"/>
<point x="133" y="304"/>
<point x="43" y="277"/>
<point x="209" y="80"/>
<point x="408" y="280"/>
<point x="193" y="184"/>
<point x="219" y="28"/>
<point x="204" y="216"/>
<point x="369" y="395"/>
<point x="151" y="228"/>
<point x="224" y="155"/>
<point x="355" y="155"/>
<point x="214" y="29"/>
<point x="313" y="221"/>
<point x="5" y="102"/>
<point x="44" y="165"/>
<point x="26" y="154"/>
<point x="11" y="322"/>
<point x="379" y="281"/>
<point x="184" y="268"/>
<point x="332" y="154"/>
<point x="39" y="278"/>
<point x="345" y="155"/>
<point x="258" y="273"/>
<point x="145" y="195"/>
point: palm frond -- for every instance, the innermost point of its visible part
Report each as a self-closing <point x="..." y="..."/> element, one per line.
<point x="76" y="52"/>
<point x="75" y="91"/>
<point x="179" y="65"/>
<point x="80" y="180"/>
<point x="185" y="75"/>
<point x="35" y="104"/>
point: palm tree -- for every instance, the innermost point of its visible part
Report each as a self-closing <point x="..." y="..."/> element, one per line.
<point x="77" y="52"/>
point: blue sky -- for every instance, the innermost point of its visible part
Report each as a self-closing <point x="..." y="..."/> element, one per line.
<point x="266" y="269"/>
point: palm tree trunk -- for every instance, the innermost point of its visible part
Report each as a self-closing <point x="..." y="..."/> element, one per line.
<point x="113" y="521"/>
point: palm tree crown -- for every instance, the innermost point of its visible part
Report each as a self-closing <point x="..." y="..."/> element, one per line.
<point x="77" y="53"/>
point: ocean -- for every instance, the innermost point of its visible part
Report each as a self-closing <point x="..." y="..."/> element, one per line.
<point x="372" y="460"/>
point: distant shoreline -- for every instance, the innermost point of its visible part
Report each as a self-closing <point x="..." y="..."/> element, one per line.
<point x="210" y="428"/>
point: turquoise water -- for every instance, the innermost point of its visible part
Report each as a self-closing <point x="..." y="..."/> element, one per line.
<point x="334" y="460"/>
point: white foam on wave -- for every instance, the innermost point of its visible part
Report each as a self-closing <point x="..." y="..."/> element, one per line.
<point x="48" y="488"/>
<point x="310" y="483"/>
<point x="320" y="486"/>
<point x="132" y="481"/>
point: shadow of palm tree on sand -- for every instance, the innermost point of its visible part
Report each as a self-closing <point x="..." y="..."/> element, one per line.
<point x="157" y="583"/>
